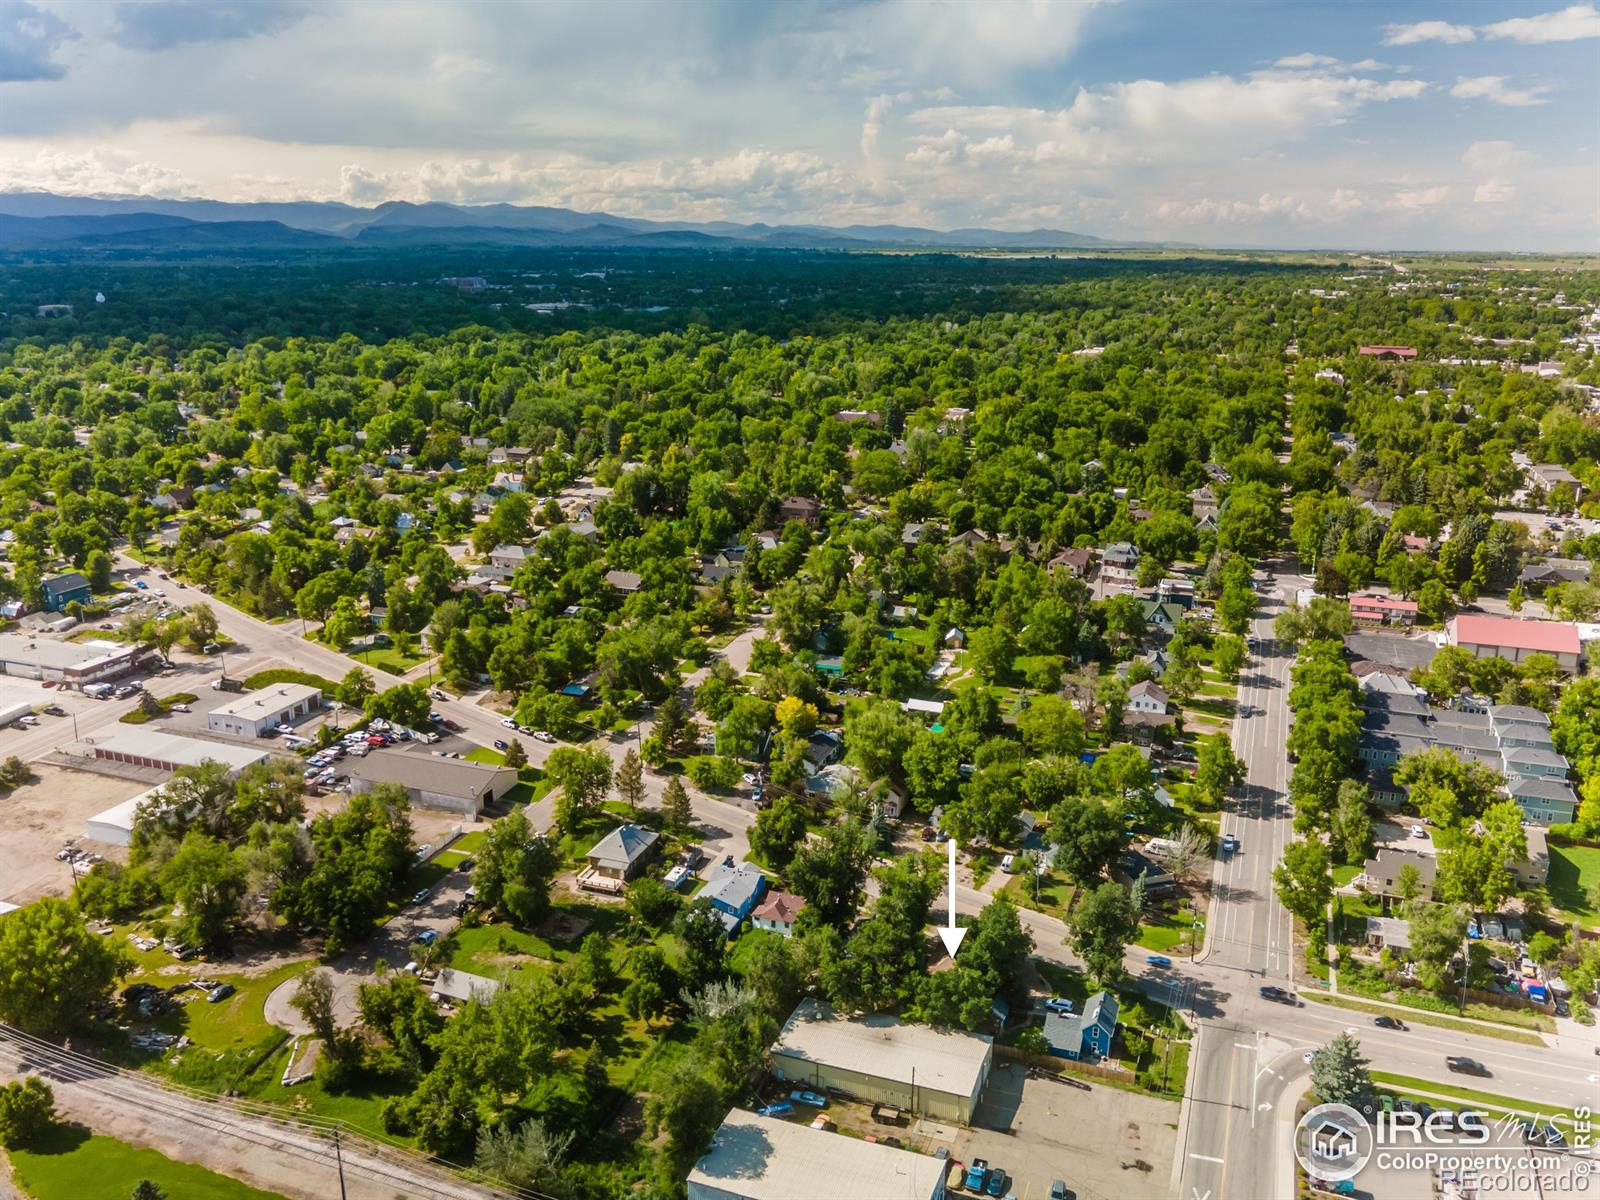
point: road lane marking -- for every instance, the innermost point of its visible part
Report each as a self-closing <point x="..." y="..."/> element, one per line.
<point x="1210" y="1158"/>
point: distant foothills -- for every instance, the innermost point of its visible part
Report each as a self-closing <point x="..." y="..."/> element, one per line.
<point x="42" y="221"/>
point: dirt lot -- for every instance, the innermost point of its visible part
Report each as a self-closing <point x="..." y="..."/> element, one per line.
<point x="1103" y="1142"/>
<point x="36" y="819"/>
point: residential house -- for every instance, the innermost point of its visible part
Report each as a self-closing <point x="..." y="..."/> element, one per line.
<point x="733" y="892"/>
<point x="1147" y="696"/>
<point x="626" y="582"/>
<point x="1120" y="561"/>
<point x="584" y="529"/>
<point x="62" y="590"/>
<point x="914" y="533"/>
<point x="1392" y="933"/>
<point x="800" y="508"/>
<point x="777" y="912"/>
<point x="1075" y="560"/>
<point x="1086" y="1035"/>
<point x="822" y="748"/>
<point x="1162" y="615"/>
<point x="1132" y="866"/>
<point x="1549" y="476"/>
<point x="618" y="857"/>
<point x="459" y="987"/>
<point x="1380" y="874"/>
<point x="1374" y="608"/>
<point x="1544" y="799"/>
<point x="1537" y="576"/>
<point x="1203" y="502"/>
<point x="506" y="560"/>
<point x="1388" y="353"/>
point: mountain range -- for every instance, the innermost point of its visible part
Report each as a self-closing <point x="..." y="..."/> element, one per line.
<point x="43" y="221"/>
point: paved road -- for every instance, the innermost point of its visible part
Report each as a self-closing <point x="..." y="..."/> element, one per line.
<point x="1249" y="936"/>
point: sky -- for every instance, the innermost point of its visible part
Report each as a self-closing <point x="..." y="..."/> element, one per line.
<point x="1290" y="124"/>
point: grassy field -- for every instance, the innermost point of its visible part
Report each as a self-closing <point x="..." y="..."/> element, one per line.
<point x="71" y="1164"/>
<point x="1573" y="871"/>
<point x="263" y="679"/>
<point x="1410" y="1085"/>
<point x="1181" y="933"/>
<point x="1419" y="1017"/>
<point x="1055" y="894"/>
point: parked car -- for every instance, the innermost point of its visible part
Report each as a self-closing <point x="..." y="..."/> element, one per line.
<point x="1465" y="1066"/>
<point x="420" y="896"/>
<point x="1058" y="1190"/>
<point x="501" y="744"/>
<point x="780" y="1108"/>
<point x="1008" y="864"/>
<point x="508" y="722"/>
<point x="180" y="708"/>
<point x="1058" y="1004"/>
<point x="428" y="937"/>
<point x="997" y="1182"/>
<point x="977" y="1175"/>
<point x="219" y="993"/>
<point x="541" y="735"/>
<point x="814" y="1099"/>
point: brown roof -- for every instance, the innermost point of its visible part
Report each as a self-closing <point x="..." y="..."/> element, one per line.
<point x="780" y="907"/>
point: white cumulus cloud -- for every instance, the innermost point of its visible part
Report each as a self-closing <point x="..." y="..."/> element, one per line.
<point x="1427" y="31"/>
<point x="1495" y="89"/>
<point x="1566" y="25"/>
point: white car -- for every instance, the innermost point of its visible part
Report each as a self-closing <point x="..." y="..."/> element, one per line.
<point x="542" y="736"/>
<point x="508" y="722"/>
<point x="180" y="708"/>
<point x="1417" y="831"/>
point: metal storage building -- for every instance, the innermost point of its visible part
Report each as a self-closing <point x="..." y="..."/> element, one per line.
<point x="933" y="1072"/>
<point x="258" y="713"/>
<point x="451" y="784"/>
<point x="168" y="751"/>
<point x="764" y="1158"/>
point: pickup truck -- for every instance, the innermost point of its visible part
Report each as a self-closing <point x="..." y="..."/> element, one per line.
<point x="977" y="1175"/>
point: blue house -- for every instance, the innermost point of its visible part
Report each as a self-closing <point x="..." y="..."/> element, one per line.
<point x="64" y="589"/>
<point x="1087" y="1034"/>
<point x="733" y="892"/>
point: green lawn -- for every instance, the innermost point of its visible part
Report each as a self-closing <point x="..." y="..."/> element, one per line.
<point x="71" y="1164"/>
<point x="1573" y="871"/>
<point x="1417" y="1017"/>
<point x="1343" y="875"/>
<point x="491" y="949"/>
<point x="1056" y="894"/>
<point x="1180" y="932"/>
<point x="263" y="679"/>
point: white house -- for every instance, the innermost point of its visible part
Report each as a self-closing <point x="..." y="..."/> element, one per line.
<point x="777" y="913"/>
<point x="1147" y="696"/>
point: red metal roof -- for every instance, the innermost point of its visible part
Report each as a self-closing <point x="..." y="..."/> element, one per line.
<point x="1547" y="637"/>
<point x="1385" y="603"/>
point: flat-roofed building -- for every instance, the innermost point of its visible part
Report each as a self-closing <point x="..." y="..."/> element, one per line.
<point x="933" y="1072"/>
<point x="28" y="656"/>
<point x="450" y="784"/>
<point x="169" y="751"/>
<point x="764" y="1158"/>
<point x="259" y="713"/>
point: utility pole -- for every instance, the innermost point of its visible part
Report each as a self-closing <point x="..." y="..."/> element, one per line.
<point x="1466" y="962"/>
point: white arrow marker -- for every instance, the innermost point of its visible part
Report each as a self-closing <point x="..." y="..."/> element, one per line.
<point x="951" y="935"/>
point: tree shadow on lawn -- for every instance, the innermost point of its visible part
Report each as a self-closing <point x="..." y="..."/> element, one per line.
<point x="58" y="1139"/>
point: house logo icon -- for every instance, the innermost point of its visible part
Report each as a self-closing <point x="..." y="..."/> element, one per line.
<point x="1333" y="1142"/>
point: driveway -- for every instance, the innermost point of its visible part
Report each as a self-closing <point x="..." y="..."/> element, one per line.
<point x="392" y="943"/>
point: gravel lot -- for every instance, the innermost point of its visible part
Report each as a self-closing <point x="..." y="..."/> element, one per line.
<point x="36" y="819"/>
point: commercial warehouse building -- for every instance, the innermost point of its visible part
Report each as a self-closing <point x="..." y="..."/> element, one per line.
<point x="451" y="784"/>
<point x="30" y="656"/>
<point x="259" y="713"/>
<point x="169" y="751"/>
<point x="115" y="825"/>
<point x="933" y="1072"/>
<point x="1514" y="639"/>
<point x="764" y="1158"/>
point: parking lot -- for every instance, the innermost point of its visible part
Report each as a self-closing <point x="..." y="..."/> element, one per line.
<point x="1104" y="1143"/>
